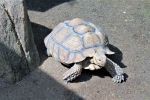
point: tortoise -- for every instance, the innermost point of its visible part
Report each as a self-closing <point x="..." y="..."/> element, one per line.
<point x="80" y="42"/>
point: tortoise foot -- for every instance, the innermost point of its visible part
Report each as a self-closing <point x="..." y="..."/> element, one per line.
<point x="118" y="79"/>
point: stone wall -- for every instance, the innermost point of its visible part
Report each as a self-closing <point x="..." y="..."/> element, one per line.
<point x="18" y="53"/>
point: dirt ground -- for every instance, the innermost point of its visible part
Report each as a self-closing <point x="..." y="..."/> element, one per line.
<point x="127" y="23"/>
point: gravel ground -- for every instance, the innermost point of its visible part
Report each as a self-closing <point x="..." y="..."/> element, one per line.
<point x="127" y="23"/>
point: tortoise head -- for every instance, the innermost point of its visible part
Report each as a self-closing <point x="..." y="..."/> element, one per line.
<point x="100" y="57"/>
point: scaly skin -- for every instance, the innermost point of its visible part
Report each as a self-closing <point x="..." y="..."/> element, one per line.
<point x="73" y="72"/>
<point x="115" y="71"/>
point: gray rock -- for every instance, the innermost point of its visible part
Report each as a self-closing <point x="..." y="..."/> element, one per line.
<point x="18" y="53"/>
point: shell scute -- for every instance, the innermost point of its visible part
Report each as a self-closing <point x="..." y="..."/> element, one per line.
<point x="75" y="22"/>
<point x="89" y="52"/>
<point x="73" y="43"/>
<point x="91" y="40"/>
<point x="62" y="35"/>
<point x="82" y="29"/>
<point x="63" y="54"/>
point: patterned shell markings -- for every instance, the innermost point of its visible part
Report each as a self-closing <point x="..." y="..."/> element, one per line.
<point x="73" y="41"/>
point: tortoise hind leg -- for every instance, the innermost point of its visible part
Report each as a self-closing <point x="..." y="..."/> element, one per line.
<point x="73" y="72"/>
<point x="115" y="71"/>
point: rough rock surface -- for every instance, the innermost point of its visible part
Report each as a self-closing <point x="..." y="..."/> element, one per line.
<point x="18" y="53"/>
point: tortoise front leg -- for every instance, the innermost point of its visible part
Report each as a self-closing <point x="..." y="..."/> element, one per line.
<point x="115" y="71"/>
<point x="73" y="72"/>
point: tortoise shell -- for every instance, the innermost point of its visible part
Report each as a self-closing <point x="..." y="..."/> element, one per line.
<point x="74" y="40"/>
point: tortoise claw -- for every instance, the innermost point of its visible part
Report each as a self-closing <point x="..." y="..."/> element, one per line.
<point x="118" y="78"/>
